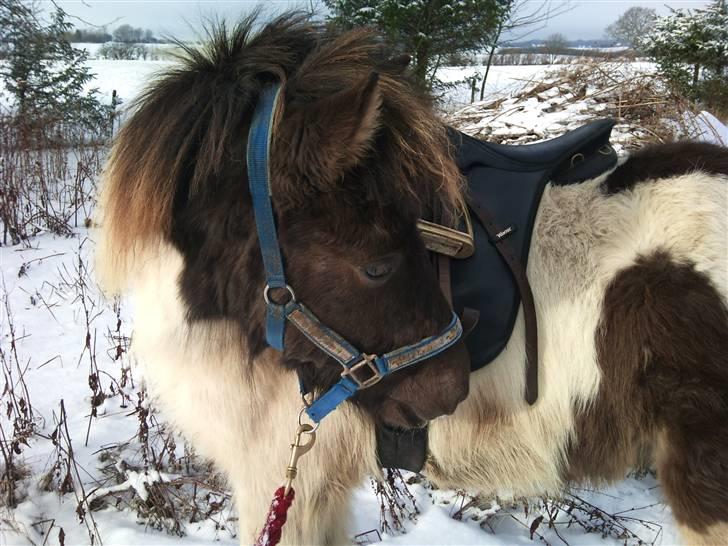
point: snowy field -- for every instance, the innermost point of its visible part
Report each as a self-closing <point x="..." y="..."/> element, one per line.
<point x="127" y="78"/>
<point x="502" y="80"/>
<point x="69" y="378"/>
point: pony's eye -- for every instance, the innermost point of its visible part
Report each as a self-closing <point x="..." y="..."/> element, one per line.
<point x="382" y="269"/>
<point x="378" y="270"/>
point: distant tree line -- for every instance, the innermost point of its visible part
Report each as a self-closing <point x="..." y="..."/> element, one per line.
<point x="121" y="51"/>
<point x="88" y="36"/>
<point x="124" y="43"/>
<point x="125" y="34"/>
<point x="130" y="35"/>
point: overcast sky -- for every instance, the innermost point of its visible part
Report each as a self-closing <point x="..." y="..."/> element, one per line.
<point x="177" y="18"/>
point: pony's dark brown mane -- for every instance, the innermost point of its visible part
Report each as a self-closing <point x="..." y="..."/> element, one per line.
<point x="188" y="131"/>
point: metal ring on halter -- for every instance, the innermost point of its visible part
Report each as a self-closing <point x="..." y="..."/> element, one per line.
<point x="266" y="295"/>
<point x="300" y="422"/>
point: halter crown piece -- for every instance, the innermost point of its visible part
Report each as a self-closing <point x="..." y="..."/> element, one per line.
<point x="360" y="370"/>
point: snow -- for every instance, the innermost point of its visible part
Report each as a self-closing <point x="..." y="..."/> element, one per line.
<point x="128" y="78"/>
<point x="91" y="48"/>
<point x="48" y="285"/>
<point x="502" y="80"/>
<point x="712" y="129"/>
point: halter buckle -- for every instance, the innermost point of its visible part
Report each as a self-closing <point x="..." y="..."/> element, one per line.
<point x="367" y="364"/>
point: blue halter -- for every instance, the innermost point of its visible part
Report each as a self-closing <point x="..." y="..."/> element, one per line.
<point x="360" y="370"/>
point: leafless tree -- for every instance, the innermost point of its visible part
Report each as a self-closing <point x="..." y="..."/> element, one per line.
<point x="521" y="18"/>
<point x="632" y="25"/>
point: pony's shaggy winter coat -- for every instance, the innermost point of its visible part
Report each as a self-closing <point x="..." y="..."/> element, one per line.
<point x="629" y="273"/>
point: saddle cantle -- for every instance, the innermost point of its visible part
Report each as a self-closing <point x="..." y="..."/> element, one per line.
<point x="508" y="182"/>
<point x="505" y="185"/>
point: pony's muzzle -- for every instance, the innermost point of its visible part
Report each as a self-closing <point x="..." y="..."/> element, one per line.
<point x="438" y="386"/>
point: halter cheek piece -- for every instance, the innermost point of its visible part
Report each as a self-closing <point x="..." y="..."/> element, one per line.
<point x="360" y="370"/>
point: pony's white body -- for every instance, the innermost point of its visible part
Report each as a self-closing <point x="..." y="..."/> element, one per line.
<point x="243" y="417"/>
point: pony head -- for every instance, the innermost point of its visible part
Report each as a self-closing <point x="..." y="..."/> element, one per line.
<point x="357" y="156"/>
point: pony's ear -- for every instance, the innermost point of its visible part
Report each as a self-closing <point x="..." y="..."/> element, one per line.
<point x="324" y="139"/>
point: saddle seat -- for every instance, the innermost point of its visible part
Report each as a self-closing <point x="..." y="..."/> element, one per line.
<point x="551" y="152"/>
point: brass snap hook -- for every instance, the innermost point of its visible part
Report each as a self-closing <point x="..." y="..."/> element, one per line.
<point x="298" y="449"/>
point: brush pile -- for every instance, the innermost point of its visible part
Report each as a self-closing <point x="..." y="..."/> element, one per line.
<point x="645" y="108"/>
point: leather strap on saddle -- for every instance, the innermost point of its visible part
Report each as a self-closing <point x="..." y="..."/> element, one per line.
<point x="468" y="316"/>
<point x="499" y="238"/>
<point x="407" y="449"/>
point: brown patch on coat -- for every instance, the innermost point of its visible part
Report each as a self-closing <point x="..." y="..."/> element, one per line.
<point x="357" y="156"/>
<point x="662" y="346"/>
<point x="665" y="160"/>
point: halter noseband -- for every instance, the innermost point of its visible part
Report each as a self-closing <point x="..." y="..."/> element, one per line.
<point x="361" y="370"/>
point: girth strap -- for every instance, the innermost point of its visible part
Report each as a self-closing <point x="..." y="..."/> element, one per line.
<point x="498" y="237"/>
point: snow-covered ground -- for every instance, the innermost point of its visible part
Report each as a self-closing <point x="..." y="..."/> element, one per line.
<point x="501" y="81"/>
<point x="127" y="78"/>
<point x="68" y="344"/>
<point x="50" y="287"/>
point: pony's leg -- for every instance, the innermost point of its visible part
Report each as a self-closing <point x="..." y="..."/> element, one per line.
<point x="254" y="457"/>
<point x="693" y="470"/>
<point x="667" y="318"/>
<point x="319" y="514"/>
<point x="342" y="455"/>
<point x="692" y="447"/>
<point x="686" y="387"/>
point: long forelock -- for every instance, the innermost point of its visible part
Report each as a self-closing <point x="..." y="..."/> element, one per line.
<point x="184" y="134"/>
<point x="424" y="168"/>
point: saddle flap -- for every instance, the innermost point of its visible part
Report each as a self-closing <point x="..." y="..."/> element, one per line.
<point x="509" y="182"/>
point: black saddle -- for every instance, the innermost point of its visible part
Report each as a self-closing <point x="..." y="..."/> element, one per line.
<point x="505" y="185"/>
<point x="508" y="181"/>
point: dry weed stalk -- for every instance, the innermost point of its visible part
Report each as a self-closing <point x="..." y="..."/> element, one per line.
<point x="47" y="179"/>
<point x="18" y="411"/>
<point x="397" y="504"/>
<point x="64" y="476"/>
<point x="166" y="489"/>
<point x="557" y="514"/>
